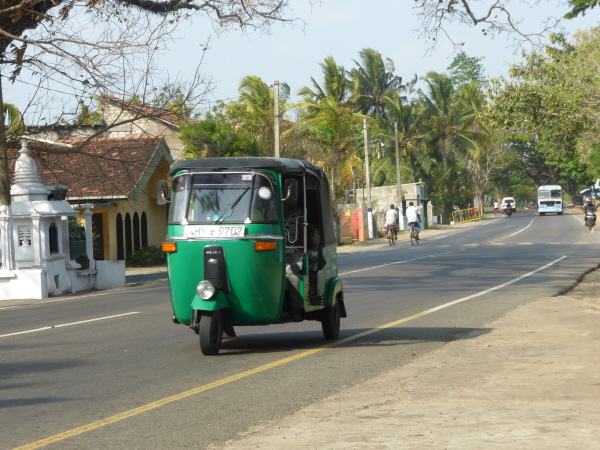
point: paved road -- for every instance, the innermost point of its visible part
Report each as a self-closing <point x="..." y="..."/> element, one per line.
<point x="402" y="302"/>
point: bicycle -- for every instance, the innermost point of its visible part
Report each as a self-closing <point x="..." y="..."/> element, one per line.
<point x="392" y="234"/>
<point x="413" y="234"/>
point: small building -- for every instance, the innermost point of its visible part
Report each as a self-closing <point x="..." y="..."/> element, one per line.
<point x="122" y="119"/>
<point x="117" y="179"/>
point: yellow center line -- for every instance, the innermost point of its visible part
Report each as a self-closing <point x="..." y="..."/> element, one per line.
<point x="206" y="387"/>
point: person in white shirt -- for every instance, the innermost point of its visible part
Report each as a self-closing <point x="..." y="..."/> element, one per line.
<point x="412" y="216"/>
<point x="391" y="219"/>
<point x="495" y="207"/>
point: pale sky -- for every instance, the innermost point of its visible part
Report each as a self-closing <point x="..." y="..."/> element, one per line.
<point x="340" y="28"/>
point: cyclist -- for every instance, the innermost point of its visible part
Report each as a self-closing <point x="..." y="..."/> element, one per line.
<point x="589" y="206"/>
<point x="391" y="220"/>
<point x="413" y="217"/>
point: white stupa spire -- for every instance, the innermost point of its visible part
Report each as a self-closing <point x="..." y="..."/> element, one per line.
<point x="27" y="180"/>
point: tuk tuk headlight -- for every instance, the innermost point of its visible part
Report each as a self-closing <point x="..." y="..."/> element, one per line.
<point x="205" y="290"/>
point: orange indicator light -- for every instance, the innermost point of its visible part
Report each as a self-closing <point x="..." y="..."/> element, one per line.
<point x="170" y="247"/>
<point x="262" y="246"/>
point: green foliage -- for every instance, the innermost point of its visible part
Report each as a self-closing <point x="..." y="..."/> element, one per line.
<point x="523" y="194"/>
<point x="465" y="69"/>
<point x="146" y="257"/>
<point x="87" y="117"/>
<point x="16" y="125"/>
<point x="374" y="82"/>
<point x="75" y="227"/>
<point x="594" y="165"/>
<point x="215" y="137"/>
<point x="173" y="99"/>
<point x="580" y="7"/>
<point x="552" y="100"/>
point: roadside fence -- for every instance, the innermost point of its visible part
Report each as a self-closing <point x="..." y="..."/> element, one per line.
<point x="466" y="215"/>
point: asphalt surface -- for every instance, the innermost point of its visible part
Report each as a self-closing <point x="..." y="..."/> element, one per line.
<point x="533" y="381"/>
<point x="56" y="381"/>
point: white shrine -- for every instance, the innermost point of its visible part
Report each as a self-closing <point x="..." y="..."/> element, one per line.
<point x="34" y="238"/>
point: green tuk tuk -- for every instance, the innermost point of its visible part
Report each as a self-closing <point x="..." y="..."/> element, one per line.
<point x="250" y="241"/>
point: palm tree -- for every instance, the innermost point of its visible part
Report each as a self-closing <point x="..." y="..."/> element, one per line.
<point x="253" y="112"/>
<point x="16" y="126"/>
<point x="330" y="120"/>
<point x="374" y="82"/>
<point x="411" y="143"/>
<point x="335" y="84"/>
<point x="447" y="117"/>
<point x="9" y="135"/>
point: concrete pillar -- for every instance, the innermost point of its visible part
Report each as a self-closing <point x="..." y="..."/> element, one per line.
<point x="38" y="241"/>
<point x="6" y="240"/>
<point x="89" y="238"/>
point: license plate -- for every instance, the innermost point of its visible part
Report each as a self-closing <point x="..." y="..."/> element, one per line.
<point x="216" y="231"/>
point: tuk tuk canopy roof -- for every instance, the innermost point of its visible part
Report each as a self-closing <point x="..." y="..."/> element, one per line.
<point x="279" y="165"/>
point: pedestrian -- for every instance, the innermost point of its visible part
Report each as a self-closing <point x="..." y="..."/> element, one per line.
<point x="495" y="207"/>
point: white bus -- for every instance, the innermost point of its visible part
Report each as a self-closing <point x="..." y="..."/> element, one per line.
<point x="550" y="200"/>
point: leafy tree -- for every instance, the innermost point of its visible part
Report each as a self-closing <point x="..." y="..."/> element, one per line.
<point x="551" y="99"/>
<point x="212" y="138"/>
<point x="580" y="7"/>
<point x="465" y="69"/>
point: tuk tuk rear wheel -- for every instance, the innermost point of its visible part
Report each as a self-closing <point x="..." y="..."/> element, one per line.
<point x="211" y="332"/>
<point x="330" y="321"/>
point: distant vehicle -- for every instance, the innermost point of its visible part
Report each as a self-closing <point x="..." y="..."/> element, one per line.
<point x="505" y="201"/>
<point x="550" y="200"/>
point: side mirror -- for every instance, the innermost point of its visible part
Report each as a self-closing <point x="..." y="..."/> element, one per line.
<point x="162" y="190"/>
<point x="290" y="192"/>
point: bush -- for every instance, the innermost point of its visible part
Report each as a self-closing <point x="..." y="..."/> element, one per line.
<point x="146" y="257"/>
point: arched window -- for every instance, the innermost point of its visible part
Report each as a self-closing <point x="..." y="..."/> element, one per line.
<point x="53" y="238"/>
<point x="144" y="230"/>
<point x="136" y="231"/>
<point x="120" y="241"/>
<point x="128" y="239"/>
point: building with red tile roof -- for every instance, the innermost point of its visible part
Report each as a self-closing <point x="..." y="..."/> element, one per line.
<point x="117" y="178"/>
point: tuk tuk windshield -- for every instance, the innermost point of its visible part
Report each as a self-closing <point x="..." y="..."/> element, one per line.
<point x="222" y="197"/>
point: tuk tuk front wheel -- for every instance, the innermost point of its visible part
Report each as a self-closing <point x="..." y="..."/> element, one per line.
<point x="211" y="332"/>
<point x="330" y="321"/>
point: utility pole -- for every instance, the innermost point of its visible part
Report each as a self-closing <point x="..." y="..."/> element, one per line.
<point x="367" y="168"/>
<point x="276" y="118"/>
<point x="398" y="179"/>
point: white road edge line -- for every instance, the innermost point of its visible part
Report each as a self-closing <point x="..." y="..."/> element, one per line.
<point x="68" y="324"/>
<point x="66" y="299"/>
<point x="382" y="265"/>
<point x="523" y="228"/>
<point x="576" y="217"/>
<point x="500" y="286"/>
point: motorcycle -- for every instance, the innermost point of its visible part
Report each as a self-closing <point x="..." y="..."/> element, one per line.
<point x="590" y="220"/>
<point x="509" y="210"/>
